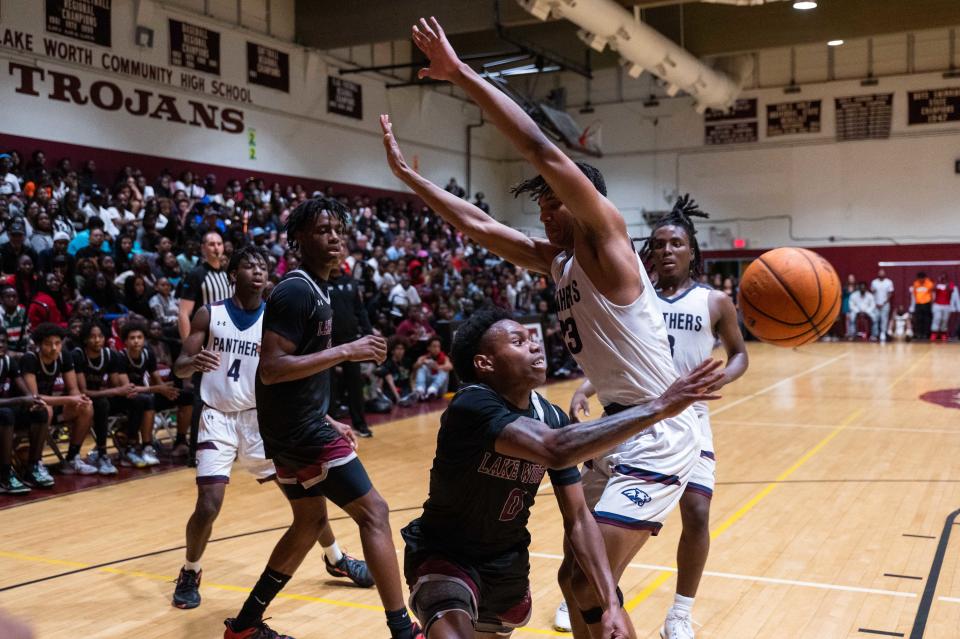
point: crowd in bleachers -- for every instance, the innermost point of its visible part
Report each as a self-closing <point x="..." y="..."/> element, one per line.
<point x="91" y="278"/>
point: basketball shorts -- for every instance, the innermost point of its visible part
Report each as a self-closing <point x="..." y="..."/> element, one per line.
<point x="494" y="592"/>
<point x="328" y="468"/>
<point x="228" y="437"/>
<point x="638" y="484"/>
<point x="704" y="475"/>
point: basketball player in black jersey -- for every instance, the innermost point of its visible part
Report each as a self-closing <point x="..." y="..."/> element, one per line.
<point x="314" y="459"/>
<point x="466" y="559"/>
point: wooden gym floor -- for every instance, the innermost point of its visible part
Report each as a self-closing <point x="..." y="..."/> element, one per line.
<point x="838" y="492"/>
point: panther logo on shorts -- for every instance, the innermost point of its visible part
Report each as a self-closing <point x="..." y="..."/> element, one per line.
<point x="637" y="496"/>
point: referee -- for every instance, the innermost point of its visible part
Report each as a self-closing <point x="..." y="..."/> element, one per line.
<point x="206" y="283"/>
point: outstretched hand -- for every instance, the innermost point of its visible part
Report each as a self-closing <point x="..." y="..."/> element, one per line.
<point x="695" y="386"/>
<point x="430" y="38"/>
<point x="394" y="156"/>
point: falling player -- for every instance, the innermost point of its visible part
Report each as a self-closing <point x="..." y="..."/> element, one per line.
<point x="607" y="308"/>
<point x="466" y="560"/>
<point x="224" y="346"/>
<point x="695" y="315"/>
<point x="314" y="459"/>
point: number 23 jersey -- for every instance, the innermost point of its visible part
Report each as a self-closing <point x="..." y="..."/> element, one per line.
<point x="234" y="335"/>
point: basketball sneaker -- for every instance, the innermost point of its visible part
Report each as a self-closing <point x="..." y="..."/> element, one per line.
<point x="363" y="430"/>
<point x="105" y="465"/>
<point x="353" y="569"/>
<point x="130" y="458"/>
<point x="11" y="485"/>
<point x="677" y="626"/>
<point x="561" y="620"/>
<point x="149" y="456"/>
<point x="259" y="631"/>
<point x="39" y="476"/>
<point x="187" y="593"/>
<point x="77" y="466"/>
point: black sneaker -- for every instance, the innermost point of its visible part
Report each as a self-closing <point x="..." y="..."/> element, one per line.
<point x="353" y="569"/>
<point x="11" y="485"/>
<point x="259" y="631"/>
<point x="363" y="430"/>
<point x="187" y="593"/>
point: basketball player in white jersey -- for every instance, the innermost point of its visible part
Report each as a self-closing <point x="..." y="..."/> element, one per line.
<point x="695" y="315"/>
<point x="606" y="304"/>
<point x="224" y="345"/>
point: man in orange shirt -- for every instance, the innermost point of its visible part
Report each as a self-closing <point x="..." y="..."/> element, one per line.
<point x="921" y="305"/>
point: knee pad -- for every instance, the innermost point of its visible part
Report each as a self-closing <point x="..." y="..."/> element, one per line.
<point x="436" y="595"/>
<point x="594" y="615"/>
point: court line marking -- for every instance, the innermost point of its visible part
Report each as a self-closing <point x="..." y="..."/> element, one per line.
<point x="227" y="587"/>
<point x="908" y="370"/>
<point x="949" y="599"/>
<point x="895" y="429"/>
<point x="747" y="507"/>
<point x="783" y="381"/>
<point x="769" y="580"/>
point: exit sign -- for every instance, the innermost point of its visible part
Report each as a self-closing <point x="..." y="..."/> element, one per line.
<point x="739" y="243"/>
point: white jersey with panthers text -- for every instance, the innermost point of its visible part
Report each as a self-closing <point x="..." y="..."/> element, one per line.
<point x="625" y="353"/>
<point x="689" y="329"/>
<point x="235" y="336"/>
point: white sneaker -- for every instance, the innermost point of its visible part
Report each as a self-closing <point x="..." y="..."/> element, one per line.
<point x="561" y="621"/>
<point x="131" y="458"/>
<point x="105" y="465"/>
<point x="677" y="626"/>
<point x="77" y="466"/>
<point x="149" y="456"/>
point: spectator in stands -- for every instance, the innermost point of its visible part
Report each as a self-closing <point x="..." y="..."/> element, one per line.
<point x="137" y="295"/>
<point x="9" y="183"/>
<point x="14" y="317"/>
<point x="165" y="307"/>
<point x="16" y="247"/>
<point x="48" y="304"/>
<point x="480" y="204"/>
<point x="431" y="371"/>
<point x="59" y="248"/>
<point x="26" y="281"/>
<point x="49" y="375"/>
<point x="943" y="294"/>
<point x="42" y="237"/>
<point x="96" y="246"/>
<point x="862" y="302"/>
<point x="921" y="305"/>
<point x="97" y="369"/>
<point x="415" y="330"/>
<point x="395" y="373"/>
<point x="104" y="294"/>
<point x="16" y="407"/>
<point x="454" y="188"/>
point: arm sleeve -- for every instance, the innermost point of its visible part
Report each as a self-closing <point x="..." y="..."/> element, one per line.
<point x="562" y="476"/>
<point x="290" y="305"/>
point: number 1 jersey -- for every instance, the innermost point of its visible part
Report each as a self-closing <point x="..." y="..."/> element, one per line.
<point x="234" y="335"/>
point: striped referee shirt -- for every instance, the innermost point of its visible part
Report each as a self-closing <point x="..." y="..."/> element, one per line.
<point x="204" y="285"/>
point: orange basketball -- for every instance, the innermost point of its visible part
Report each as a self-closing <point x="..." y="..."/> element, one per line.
<point x="789" y="297"/>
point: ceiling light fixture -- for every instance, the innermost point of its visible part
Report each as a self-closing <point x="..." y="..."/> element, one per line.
<point x="834" y="43"/>
<point x="804" y="5"/>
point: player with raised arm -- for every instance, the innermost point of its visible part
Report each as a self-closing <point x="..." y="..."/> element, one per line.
<point x="314" y="459"/>
<point x="607" y="308"/>
<point x="466" y="559"/>
<point x="695" y="316"/>
<point x="224" y="346"/>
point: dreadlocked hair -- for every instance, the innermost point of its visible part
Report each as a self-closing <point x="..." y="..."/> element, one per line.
<point x="307" y="211"/>
<point x="537" y="187"/>
<point x="683" y="209"/>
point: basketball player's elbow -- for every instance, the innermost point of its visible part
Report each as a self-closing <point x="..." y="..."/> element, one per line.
<point x="269" y="371"/>
<point x="560" y="451"/>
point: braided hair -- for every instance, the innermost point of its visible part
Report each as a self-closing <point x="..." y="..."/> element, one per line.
<point x="308" y="211"/>
<point x="537" y="187"/>
<point x="683" y="209"/>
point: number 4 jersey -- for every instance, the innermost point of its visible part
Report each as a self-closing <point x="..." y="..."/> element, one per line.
<point x="234" y="335"/>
